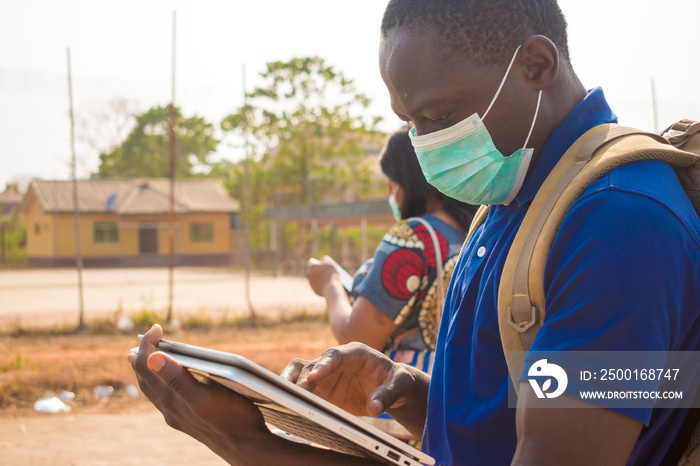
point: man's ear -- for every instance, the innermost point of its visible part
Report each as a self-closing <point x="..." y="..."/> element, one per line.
<point x="540" y="59"/>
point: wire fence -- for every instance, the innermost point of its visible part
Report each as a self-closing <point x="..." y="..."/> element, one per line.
<point x="49" y="298"/>
<point x="45" y="292"/>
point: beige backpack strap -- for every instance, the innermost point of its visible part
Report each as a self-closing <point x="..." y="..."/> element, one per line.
<point x="685" y="134"/>
<point x="521" y="303"/>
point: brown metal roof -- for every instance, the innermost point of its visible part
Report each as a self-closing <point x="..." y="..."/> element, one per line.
<point x="134" y="196"/>
<point x="10" y="199"/>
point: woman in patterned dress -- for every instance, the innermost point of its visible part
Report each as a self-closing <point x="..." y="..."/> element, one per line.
<point x="393" y="304"/>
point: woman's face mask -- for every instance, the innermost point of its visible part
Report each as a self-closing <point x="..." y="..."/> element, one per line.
<point x="395" y="209"/>
<point x="462" y="161"/>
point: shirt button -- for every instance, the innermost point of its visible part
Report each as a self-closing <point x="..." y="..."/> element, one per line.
<point x="481" y="252"/>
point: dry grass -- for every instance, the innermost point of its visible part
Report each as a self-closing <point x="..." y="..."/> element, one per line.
<point x="32" y="365"/>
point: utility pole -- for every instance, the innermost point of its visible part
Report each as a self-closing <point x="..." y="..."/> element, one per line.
<point x="653" y="105"/>
<point x="171" y="176"/>
<point x="76" y="207"/>
<point x="246" y="201"/>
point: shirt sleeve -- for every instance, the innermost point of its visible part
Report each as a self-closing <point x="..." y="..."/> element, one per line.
<point x="615" y="280"/>
<point x="397" y="277"/>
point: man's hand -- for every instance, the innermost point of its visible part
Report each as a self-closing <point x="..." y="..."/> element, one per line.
<point x="364" y="382"/>
<point x="201" y="411"/>
<point x="230" y="425"/>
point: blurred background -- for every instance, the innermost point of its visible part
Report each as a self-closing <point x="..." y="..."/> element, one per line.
<point x="277" y="113"/>
<point x="178" y="162"/>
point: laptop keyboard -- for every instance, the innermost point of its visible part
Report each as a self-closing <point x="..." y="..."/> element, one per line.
<point x="307" y="430"/>
<point x="294" y="424"/>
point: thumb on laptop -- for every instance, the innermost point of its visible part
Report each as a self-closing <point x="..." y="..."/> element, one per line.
<point x="391" y="394"/>
<point x="173" y="375"/>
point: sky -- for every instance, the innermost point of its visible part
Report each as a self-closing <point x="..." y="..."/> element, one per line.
<point x="122" y="50"/>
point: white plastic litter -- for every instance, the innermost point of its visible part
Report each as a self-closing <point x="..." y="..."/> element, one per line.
<point x="125" y="324"/>
<point x="102" y="391"/>
<point x="131" y="391"/>
<point x="51" y="405"/>
<point x="66" y="396"/>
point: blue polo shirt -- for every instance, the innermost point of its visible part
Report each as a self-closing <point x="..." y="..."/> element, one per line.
<point x="622" y="274"/>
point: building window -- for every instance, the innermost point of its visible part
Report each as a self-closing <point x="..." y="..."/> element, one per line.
<point x="37" y="228"/>
<point x="201" y="232"/>
<point x="106" y="232"/>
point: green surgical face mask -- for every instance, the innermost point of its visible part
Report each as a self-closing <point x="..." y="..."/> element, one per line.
<point x="395" y="209"/>
<point x="463" y="163"/>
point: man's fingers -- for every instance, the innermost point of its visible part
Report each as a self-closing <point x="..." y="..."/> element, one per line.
<point x="151" y="338"/>
<point x="391" y="393"/>
<point x="293" y="369"/>
<point x="148" y="346"/>
<point x="342" y="357"/>
<point x="302" y="378"/>
<point x="173" y="375"/>
<point x="298" y="370"/>
<point x="324" y="366"/>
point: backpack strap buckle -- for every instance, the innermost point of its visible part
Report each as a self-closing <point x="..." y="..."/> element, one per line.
<point x="679" y="132"/>
<point x="522" y="326"/>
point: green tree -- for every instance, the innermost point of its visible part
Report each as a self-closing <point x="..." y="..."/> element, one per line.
<point x="310" y="139"/>
<point x="145" y="151"/>
<point x="309" y="128"/>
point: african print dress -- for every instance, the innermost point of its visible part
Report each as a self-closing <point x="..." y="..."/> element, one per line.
<point x="400" y="280"/>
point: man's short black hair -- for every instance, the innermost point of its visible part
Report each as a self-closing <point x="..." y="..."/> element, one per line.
<point x="488" y="31"/>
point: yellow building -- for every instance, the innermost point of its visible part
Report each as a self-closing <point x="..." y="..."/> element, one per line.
<point x="125" y="222"/>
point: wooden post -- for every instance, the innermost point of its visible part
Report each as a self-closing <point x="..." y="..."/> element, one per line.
<point x="273" y="247"/>
<point x="171" y="176"/>
<point x="246" y="201"/>
<point x="2" y="243"/>
<point x="363" y="235"/>
<point x="76" y="207"/>
<point x="314" y="238"/>
<point x="653" y="106"/>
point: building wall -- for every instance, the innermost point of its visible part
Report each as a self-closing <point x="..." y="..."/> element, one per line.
<point x="40" y="232"/>
<point x="51" y="240"/>
<point x="221" y="231"/>
<point x="220" y="242"/>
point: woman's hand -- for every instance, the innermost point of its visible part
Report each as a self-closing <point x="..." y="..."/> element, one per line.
<point x="364" y="382"/>
<point x="360" y="321"/>
<point x="321" y="274"/>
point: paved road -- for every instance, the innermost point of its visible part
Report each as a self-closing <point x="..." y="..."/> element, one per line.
<point x="50" y="296"/>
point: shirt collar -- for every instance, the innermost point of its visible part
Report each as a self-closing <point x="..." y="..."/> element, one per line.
<point x="592" y="111"/>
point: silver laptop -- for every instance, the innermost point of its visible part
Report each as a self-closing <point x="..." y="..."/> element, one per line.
<point x="292" y="409"/>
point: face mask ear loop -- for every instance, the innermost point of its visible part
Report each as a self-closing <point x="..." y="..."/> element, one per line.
<point x="503" y="81"/>
<point x="394" y="190"/>
<point x="534" y="119"/>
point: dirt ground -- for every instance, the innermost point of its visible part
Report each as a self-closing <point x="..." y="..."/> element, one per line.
<point x="119" y="430"/>
<point x="133" y="438"/>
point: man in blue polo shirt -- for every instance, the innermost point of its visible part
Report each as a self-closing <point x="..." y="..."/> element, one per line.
<point x="495" y="103"/>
